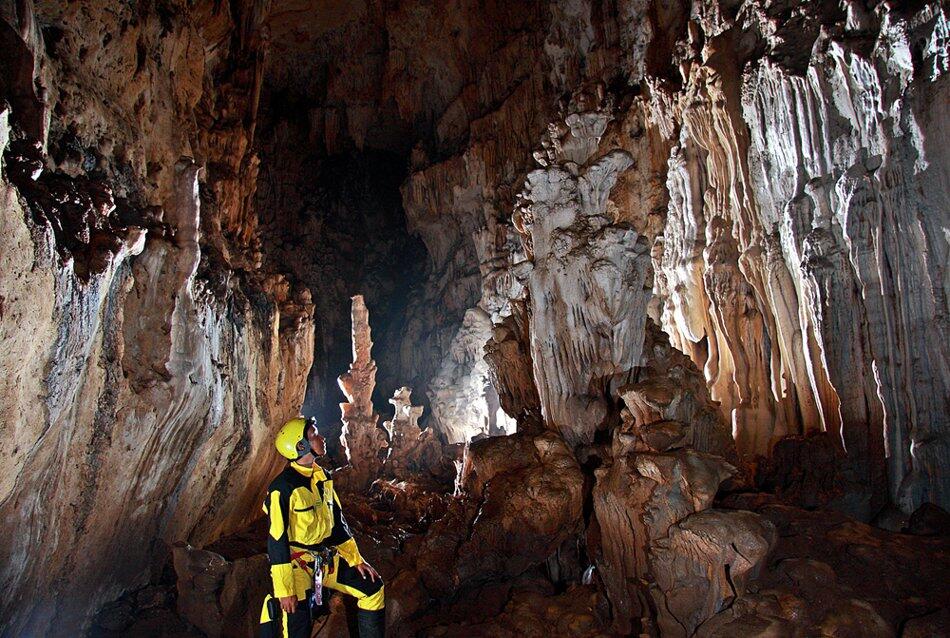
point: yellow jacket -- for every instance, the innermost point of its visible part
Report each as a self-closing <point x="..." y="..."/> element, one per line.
<point x="304" y="514"/>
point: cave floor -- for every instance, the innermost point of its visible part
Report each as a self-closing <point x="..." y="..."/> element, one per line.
<point x="828" y="575"/>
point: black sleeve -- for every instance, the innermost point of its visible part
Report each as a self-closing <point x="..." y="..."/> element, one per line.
<point x="341" y="531"/>
<point x="278" y="547"/>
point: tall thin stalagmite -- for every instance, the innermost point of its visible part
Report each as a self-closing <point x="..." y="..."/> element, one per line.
<point x="362" y="439"/>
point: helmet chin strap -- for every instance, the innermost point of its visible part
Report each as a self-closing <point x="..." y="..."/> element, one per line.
<point x="306" y="451"/>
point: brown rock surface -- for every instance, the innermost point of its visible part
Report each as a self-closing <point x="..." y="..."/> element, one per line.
<point x="669" y="389"/>
<point x="766" y="180"/>
<point x="832" y="575"/>
<point x="138" y="405"/>
<point x="535" y="613"/>
<point x="362" y="440"/>
<point x="705" y="563"/>
<point x="636" y="499"/>
<point x="218" y="596"/>
<point x="522" y="497"/>
<point x="814" y="471"/>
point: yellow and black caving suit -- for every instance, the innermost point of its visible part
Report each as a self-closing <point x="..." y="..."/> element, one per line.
<point x="306" y="519"/>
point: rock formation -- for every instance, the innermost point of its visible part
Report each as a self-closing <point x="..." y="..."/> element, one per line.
<point x="789" y="184"/>
<point x="215" y="594"/>
<point x="363" y="441"/>
<point x="586" y="285"/>
<point x="414" y="451"/>
<point x="667" y="271"/>
<point x="146" y="360"/>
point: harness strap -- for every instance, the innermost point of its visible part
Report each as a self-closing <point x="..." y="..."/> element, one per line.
<point x="325" y="555"/>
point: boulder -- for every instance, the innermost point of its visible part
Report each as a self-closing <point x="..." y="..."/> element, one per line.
<point x="704" y="564"/>
<point x="222" y="598"/>
<point x="637" y="498"/>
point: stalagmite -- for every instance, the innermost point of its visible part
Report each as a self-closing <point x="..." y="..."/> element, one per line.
<point x="363" y="441"/>
<point x="413" y="451"/>
<point x="668" y="280"/>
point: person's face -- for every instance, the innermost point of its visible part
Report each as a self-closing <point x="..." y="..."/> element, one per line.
<point x="317" y="443"/>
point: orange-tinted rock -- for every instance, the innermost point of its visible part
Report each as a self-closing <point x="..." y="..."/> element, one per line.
<point x="636" y="499"/>
<point x="829" y="574"/>
<point x="705" y="562"/>
<point x="363" y="441"/>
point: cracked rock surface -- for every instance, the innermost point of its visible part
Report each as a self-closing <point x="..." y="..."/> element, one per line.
<point x="668" y="281"/>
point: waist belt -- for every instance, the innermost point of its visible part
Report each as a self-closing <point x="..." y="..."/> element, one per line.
<point x="320" y="556"/>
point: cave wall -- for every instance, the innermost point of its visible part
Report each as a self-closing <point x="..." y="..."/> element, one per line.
<point x="782" y="166"/>
<point x="145" y="358"/>
<point x="803" y="264"/>
<point x="786" y="166"/>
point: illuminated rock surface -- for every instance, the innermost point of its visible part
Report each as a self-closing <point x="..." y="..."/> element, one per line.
<point x="363" y="441"/>
<point x="668" y="281"/>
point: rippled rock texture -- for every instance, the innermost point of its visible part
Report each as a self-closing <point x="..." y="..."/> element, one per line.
<point x="145" y="358"/>
<point x="802" y="255"/>
<point x="763" y="181"/>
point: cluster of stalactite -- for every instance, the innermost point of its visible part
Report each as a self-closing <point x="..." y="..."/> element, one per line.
<point x="670" y="248"/>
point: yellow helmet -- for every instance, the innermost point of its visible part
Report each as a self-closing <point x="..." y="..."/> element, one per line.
<point x="292" y="441"/>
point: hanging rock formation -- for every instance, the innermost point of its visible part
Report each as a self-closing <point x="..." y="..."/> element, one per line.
<point x="676" y="251"/>
<point x="586" y="286"/>
<point x="800" y="262"/>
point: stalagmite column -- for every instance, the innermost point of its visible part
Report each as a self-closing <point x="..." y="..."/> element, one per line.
<point x="406" y="415"/>
<point x="362" y="440"/>
<point x="411" y="449"/>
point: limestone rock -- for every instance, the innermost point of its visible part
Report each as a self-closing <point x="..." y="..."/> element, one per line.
<point x="535" y="613"/>
<point x="788" y="184"/>
<point x="413" y="451"/>
<point x="767" y="181"/>
<point x="527" y="506"/>
<point x="508" y="354"/>
<point x="814" y="471"/>
<point x="829" y="574"/>
<point x="669" y="388"/>
<point x="586" y="285"/>
<point x="704" y="564"/>
<point x="138" y="405"/>
<point x="663" y="436"/>
<point x="929" y="520"/>
<point x="221" y="597"/>
<point x="464" y="403"/>
<point x="522" y="497"/>
<point x="363" y="441"/>
<point x="637" y="499"/>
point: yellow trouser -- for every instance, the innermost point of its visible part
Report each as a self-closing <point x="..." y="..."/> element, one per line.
<point x="345" y="579"/>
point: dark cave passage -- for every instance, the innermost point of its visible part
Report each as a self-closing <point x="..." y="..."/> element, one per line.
<point x="666" y="281"/>
<point x="337" y="224"/>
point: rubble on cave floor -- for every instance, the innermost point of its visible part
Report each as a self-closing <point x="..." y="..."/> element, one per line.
<point x="655" y="534"/>
<point x="827" y="573"/>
